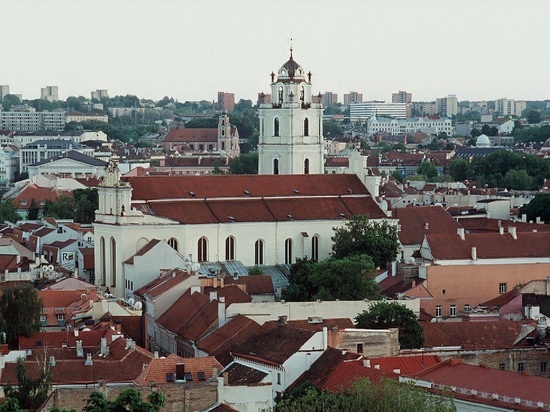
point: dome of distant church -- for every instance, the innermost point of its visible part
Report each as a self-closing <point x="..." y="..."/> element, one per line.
<point x="483" y="141"/>
<point x="291" y="68"/>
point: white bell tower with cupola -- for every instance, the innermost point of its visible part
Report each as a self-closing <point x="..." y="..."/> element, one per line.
<point x="291" y="126"/>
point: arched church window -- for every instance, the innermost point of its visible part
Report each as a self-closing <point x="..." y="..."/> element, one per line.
<point x="103" y="264"/>
<point x="288" y="251"/>
<point x="306" y="127"/>
<point x="302" y="93"/>
<point x="275" y="166"/>
<point x="276" y="127"/>
<point x="230" y="248"/>
<point x="306" y="166"/>
<point x="173" y="243"/>
<point x="315" y="248"/>
<point x="223" y="145"/>
<point x="113" y="262"/>
<point x="202" y="250"/>
<point x="259" y="252"/>
<point x="280" y="94"/>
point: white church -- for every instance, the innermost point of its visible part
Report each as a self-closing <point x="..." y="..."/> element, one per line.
<point x="287" y="211"/>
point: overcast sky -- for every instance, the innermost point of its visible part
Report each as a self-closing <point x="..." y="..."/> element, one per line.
<point x="190" y="50"/>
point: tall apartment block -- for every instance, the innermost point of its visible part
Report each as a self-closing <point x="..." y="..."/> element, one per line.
<point x="330" y="99"/>
<point x="352" y="97"/>
<point x="447" y="106"/>
<point x="49" y="93"/>
<point x="226" y="101"/>
<point x="99" y="94"/>
<point x="4" y="90"/>
<point x="510" y="107"/>
<point x="401" y="97"/>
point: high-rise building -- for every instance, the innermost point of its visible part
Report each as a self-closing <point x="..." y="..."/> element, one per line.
<point x="330" y="99"/>
<point x="31" y="121"/>
<point x="49" y="93"/>
<point x="4" y="90"/>
<point x="401" y="97"/>
<point x="447" y="106"/>
<point x="291" y="131"/>
<point x="509" y="107"/>
<point x="99" y="94"/>
<point x="364" y="110"/>
<point x="226" y="101"/>
<point x="352" y="97"/>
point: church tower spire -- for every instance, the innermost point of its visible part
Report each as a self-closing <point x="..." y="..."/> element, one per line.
<point x="291" y="127"/>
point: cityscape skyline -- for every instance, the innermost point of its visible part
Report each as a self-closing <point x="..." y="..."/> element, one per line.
<point x="191" y="51"/>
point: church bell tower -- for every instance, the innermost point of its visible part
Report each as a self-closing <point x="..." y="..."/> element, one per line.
<point x="291" y="126"/>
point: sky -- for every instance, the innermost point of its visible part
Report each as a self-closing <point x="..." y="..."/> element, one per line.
<point x="190" y="50"/>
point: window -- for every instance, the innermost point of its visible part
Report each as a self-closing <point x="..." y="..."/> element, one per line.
<point x="278" y="378"/>
<point x="306" y="127"/>
<point x="502" y="366"/>
<point x="502" y="288"/>
<point x="102" y="261"/>
<point x="280" y="94"/>
<point x="230" y="248"/>
<point x="60" y="317"/>
<point x="453" y="311"/>
<point x="113" y="262"/>
<point x="521" y="366"/>
<point x="43" y="320"/>
<point x="259" y="252"/>
<point x="202" y="250"/>
<point x="288" y="251"/>
<point x="210" y="147"/>
<point x="173" y="243"/>
<point x="275" y="166"/>
<point x="543" y="367"/>
<point x="359" y="347"/>
<point x="315" y="248"/>
<point x="467" y="307"/>
<point x="201" y="147"/>
<point x="438" y="311"/>
<point x="276" y="127"/>
<point x="306" y="166"/>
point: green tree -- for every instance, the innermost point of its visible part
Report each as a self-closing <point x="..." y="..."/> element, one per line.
<point x="245" y="164"/>
<point x="363" y="395"/>
<point x="332" y="129"/>
<point x="20" y="310"/>
<point x="475" y="132"/>
<point x="242" y="105"/>
<point x="427" y="169"/>
<point x="203" y="123"/>
<point x="362" y="236"/>
<point x="539" y="206"/>
<point x="8" y="212"/>
<point x="10" y="100"/>
<point x="33" y="211"/>
<point x="517" y="179"/>
<point x="458" y="169"/>
<point x="533" y="116"/>
<point x="62" y="208"/>
<point x="30" y="392"/>
<point x="383" y="315"/>
<point x="128" y="400"/>
<point x="349" y="278"/>
<point x="398" y="176"/>
<point x="86" y="203"/>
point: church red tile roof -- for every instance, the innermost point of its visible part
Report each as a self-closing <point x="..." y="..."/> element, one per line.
<point x="190" y="135"/>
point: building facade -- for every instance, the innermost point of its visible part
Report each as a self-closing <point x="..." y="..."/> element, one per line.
<point x="32" y="121"/>
<point x="291" y="127"/>
<point x="226" y="101"/>
<point x="447" y="106"/>
<point x="50" y="93"/>
<point x="4" y="90"/>
<point x="99" y="94"/>
<point x="412" y="125"/>
<point x="401" y="97"/>
<point x="363" y="111"/>
<point x="352" y="97"/>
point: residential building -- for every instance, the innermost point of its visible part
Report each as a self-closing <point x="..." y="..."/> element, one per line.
<point x="411" y="125"/>
<point x="28" y="120"/>
<point x="425" y="108"/>
<point x="4" y="90"/>
<point x="329" y="99"/>
<point x="291" y="130"/>
<point x="49" y="93"/>
<point x="401" y="97"/>
<point x="365" y="110"/>
<point x="510" y="107"/>
<point x="21" y="139"/>
<point x="226" y="102"/>
<point x="99" y="94"/>
<point x="447" y="106"/>
<point x="9" y="164"/>
<point x="352" y="97"/>
<point x="85" y="117"/>
<point x="68" y="164"/>
<point x="125" y="111"/>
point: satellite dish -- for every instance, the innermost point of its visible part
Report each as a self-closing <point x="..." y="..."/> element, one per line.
<point x="186" y="259"/>
<point x="138" y="305"/>
<point x="195" y="266"/>
<point x="50" y="268"/>
<point x="131" y="301"/>
<point x="45" y="268"/>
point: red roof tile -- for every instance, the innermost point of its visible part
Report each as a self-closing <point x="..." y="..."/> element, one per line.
<point x="158" y="369"/>
<point x="191" y="135"/>
<point x="163" y="283"/>
<point x="346" y="372"/>
<point x="405" y="364"/>
<point x="418" y="221"/>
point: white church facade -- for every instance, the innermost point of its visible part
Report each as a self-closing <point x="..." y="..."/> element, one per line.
<point x="271" y="218"/>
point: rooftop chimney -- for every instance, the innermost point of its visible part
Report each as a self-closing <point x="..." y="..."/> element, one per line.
<point x="79" y="350"/>
<point x="474" y="253"/>
<point x="156" y="354"/>
<point x="426" y="226"/>
<point x="89" y="361"/>
<point x="104" y="347"/>
<point x="501" y="230"/>
<point x="460" y="232"/>
<point x="52" y="361"/>
<point x="512" y="230"/>
<point x="213" y="295"/>
<point x="222" y="317"/>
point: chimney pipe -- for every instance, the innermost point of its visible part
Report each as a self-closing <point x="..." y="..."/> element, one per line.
<point x="460" y="232"/>
<point x="512" y="230"/>
<point x="474" y="253"/>
<point x="222" y="316"/>
<point x="501" y="230"/>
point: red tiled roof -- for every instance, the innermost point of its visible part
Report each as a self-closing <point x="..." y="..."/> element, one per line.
<point x="239" y="374"/>
<point x="158" y="368"/>
<point x="472" y="335"/>
<point x="191" y="135"/>
<point x="405" y="364"/>
<point x="58" y="298"/>
<point x="23" y="199"/>
<point x="481" y="225"/>
<point x="231" y="186"/>
<point x="225" y="339"/>
<point x="487" y="380"/>
<point x="88" y="256"/>
<point x="502" y="299"/>
<point x="490" y="245"/>
<point x="346" y="372"/>
<point x="254" y="285"/>
<point x="163" y="283"/>
<point x="60" y="339"/>
<point x="417" y="221"/>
